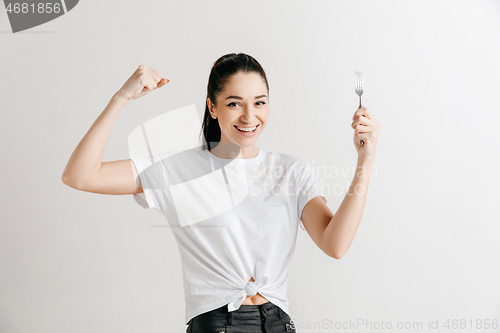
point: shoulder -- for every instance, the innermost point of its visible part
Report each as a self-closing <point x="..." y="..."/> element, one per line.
<point x="169" y="160"/>
<point x="178" y="157"/>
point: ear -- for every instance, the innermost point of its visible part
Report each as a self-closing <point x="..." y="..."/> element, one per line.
<point x="211" y="108"/>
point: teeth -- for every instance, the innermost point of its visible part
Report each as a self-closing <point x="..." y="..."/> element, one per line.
<point x="246" y="129"/>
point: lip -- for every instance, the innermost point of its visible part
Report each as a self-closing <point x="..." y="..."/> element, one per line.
<point x="246" y="133"/>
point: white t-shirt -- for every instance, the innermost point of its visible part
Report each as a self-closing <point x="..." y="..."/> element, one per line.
<point x="233" y="219"/>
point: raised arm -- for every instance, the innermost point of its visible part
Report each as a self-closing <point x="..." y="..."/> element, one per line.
<point x="334" y="233"/>
<point x="85" y="170"/>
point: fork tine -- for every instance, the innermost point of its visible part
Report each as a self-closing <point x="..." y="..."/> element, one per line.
<point x="359" y="83"/>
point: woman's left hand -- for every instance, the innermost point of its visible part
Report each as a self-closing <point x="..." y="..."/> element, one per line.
<point x="366" y="128"/>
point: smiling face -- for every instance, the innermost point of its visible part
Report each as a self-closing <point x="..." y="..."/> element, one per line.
<point x="243" y="104"/>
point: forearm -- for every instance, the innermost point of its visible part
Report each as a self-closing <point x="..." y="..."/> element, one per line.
<point x="86" y="159"/>
<point x="343" y="226"/>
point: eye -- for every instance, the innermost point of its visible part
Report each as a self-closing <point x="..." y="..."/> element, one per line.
<point x="261" y="102"/>
<point x="232" y="103"/>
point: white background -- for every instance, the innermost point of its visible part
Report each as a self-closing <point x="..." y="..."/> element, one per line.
<point x="428" y="245"/>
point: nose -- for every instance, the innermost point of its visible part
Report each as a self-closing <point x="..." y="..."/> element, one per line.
<point x="248" y="115"/>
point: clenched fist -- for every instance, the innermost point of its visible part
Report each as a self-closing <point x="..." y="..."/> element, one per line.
<point x="143" y="81"/>
<point x="366" y="128"/>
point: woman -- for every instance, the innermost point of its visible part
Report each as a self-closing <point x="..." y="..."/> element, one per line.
<point x="236" y="256"/>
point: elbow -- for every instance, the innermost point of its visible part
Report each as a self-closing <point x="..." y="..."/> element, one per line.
<point x="335" y="254"/>
<point x="69" y="181"/>
<point x="64" y="179"/>
<point x="331" y="249"/>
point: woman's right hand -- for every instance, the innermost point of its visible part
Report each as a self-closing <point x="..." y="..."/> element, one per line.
<point x="143" y="81"/>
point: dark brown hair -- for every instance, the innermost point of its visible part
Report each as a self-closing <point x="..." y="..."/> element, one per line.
<point x="222" y="70"/>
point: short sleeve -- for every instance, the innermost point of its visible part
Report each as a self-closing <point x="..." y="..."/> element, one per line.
<point x="309" y="188"/>
<point x="151" y="173"/>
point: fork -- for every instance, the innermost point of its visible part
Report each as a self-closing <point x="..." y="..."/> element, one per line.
<point x="359" y="90"/>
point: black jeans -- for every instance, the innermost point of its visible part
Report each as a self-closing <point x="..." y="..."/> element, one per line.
<point x="265" y="317"/>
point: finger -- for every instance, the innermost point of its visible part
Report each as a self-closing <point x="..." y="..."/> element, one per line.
<point x="154" y="84"/>
<point x="156" y="77"/>
<point x="361" y="120"/>
<point x="359" y="112"/>
<point x="354" y="125"/>
<point x="363" y="129"/>
<point x="163" y="81"/>
<point x="156" y="73"/>
<point x="362" y="112"/>
<point x="368" y="114"/>
<point x="150" y="84"/>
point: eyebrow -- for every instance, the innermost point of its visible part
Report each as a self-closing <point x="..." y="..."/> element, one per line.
<point x="238" y="97"/>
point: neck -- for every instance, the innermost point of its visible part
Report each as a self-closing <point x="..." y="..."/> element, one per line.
<point x="231" y="151"/>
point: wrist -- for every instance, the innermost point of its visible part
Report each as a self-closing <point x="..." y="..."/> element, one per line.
<point x="120" y="96"/>
<point x="368" y="161"/>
